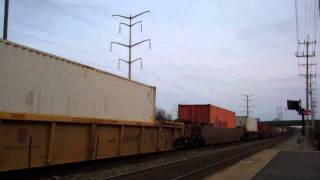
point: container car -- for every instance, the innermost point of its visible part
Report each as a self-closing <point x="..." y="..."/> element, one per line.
<point x="33" y="140"/>
<point x="250" y="125"/>
<point x="55" y="111"/>
<point x="206" y="114"/>
<point x="196" y="135"/>
<point x="273" y="131"/>
<point x="264" y="130"/>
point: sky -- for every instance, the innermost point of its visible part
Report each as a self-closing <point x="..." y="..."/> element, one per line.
<point x="203" y="51"/>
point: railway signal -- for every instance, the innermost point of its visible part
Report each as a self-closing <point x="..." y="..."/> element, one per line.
<point x="296" y="105"/>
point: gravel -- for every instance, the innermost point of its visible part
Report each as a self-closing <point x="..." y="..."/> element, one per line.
<point x="115" y="168"/>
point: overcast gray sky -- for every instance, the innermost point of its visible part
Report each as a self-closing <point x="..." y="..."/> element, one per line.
<point x="207" y="51"/>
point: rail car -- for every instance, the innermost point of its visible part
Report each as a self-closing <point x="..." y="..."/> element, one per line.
<point x="198" y="135"/>
<point x="30" y="140"/>
<point x="56" y="111"/>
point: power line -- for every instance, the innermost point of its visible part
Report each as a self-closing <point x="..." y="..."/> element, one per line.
<point x="297" y="25"/>
<point x="57" y="34"/>
<point x="83" y="20"/>
<point x="174" y="84"/>
<point x="156" y="50"/>
<point x="130" y="45"/>
<point x="75" y="40"/>
<point x="311" y="19"/>
<point x="307" y="55"/>
<point x="182" y="89"/>
<point x="56" y="44"/>
<point x="97" y="9"/>
<point x="57" y="8"/>
<point x="62" y="36"/>
<point x="308" y="74"/>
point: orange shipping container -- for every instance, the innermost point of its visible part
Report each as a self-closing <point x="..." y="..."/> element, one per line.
<point x="207" y="114"/>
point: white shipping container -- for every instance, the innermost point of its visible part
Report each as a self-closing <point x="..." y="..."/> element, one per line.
<point x="249" y="123"/>
<point x="32" y="81"/>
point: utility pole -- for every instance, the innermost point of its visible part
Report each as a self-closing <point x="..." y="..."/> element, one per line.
<point x="312" y="97"/>
<point x="130" y="45"/>
<point x="5" y="19"/>
<point x="308" y="75"/>
<point x="247" y="106"/>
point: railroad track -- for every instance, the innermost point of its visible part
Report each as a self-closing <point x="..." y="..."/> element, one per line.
<point x="106" y="168"/>
<point x="198" y="167"/>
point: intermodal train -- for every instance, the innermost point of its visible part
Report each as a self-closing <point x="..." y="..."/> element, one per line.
<point x="56" y="111"/>
<point x="208" y="124"/>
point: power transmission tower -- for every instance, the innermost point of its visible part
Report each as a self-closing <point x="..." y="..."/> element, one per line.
<point x="279" y="113"/>
<point x="247" y="106"/>
<point x="308" y="75"/>
<point x="130" y="45"/>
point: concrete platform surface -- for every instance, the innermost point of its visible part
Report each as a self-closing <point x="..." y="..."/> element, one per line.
<point x="250" y="167"/>
<point x="292" y="165"/>
<point x="295" y="143"/>
<point x="247" y="168"/>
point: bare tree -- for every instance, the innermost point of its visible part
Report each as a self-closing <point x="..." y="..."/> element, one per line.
<point x="162" y="114"/>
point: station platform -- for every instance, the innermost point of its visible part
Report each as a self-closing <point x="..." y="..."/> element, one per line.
<point x="292" y="159"/>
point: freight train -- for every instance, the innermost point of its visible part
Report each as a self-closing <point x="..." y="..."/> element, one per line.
<point x="55" y="111"/>
<point x="208" y="125"/>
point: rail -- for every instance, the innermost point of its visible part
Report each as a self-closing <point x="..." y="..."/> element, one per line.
<point x="197" y="167"/>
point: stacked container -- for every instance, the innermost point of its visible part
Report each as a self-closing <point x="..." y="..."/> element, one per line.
<point x="249" y="123"/>
<point x="35" y="82"/>
<point x="207" y="114"/>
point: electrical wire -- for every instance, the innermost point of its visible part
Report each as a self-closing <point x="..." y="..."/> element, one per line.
<point x="57" y="44"/>
<point x="58" y="35"/>
<point x="297" y="25"/>
<point x="83" y="20"/>
<point x="97" y="9"/>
